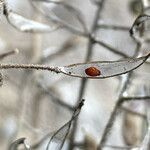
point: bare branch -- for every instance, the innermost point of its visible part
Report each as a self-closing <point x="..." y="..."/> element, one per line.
<point x="113" y="27"/>
<point x="110" y="48"/>
<point x="6" y="54"/>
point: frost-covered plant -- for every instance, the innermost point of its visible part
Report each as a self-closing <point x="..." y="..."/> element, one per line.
<point x="87" y="70"/>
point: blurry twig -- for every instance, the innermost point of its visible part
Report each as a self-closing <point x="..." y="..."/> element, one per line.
<point x="125" y="99"/>
<point x="55" y="99"/>
<point x="65" y="48"/>
<point x="133" y="112"/>
<point x="113" y="27"/>
<point x="6" y="54"/>
<point x="87" y="58"/>
<point x="114" y="50"/>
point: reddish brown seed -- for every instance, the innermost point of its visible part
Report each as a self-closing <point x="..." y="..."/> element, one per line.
<point x="92" y="71"/>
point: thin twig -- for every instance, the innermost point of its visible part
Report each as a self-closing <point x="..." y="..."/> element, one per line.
<point x="6" y="54"/>
<point x="55" y="99"/>
<point x="29" y="66"/>
<point x="125" y="99"/>
<point x="113" y="27"/>
<point x="114" y="50"/>
<point x="65" y="48"/>
<point x="133" y="112"/>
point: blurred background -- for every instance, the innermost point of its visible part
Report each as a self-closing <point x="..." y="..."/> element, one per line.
<point x="35" y="103"/>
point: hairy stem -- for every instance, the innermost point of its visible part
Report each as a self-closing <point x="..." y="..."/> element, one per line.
<point x="29" y="66"/>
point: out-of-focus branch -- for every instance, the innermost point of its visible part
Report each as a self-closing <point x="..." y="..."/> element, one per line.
<point x="113" y="27"/>
<point x="133" y="112"/>
<point x="55" y="99"/>
<point x="87" y="58"/>
<point x="114" y="50"/>
<point x="9" y="53"/>
<point x="125" y="99"/>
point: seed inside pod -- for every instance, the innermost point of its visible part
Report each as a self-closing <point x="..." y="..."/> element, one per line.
<point x="92" y="71"/>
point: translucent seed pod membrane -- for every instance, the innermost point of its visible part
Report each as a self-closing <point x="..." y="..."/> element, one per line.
<point x="103" y="69"/>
